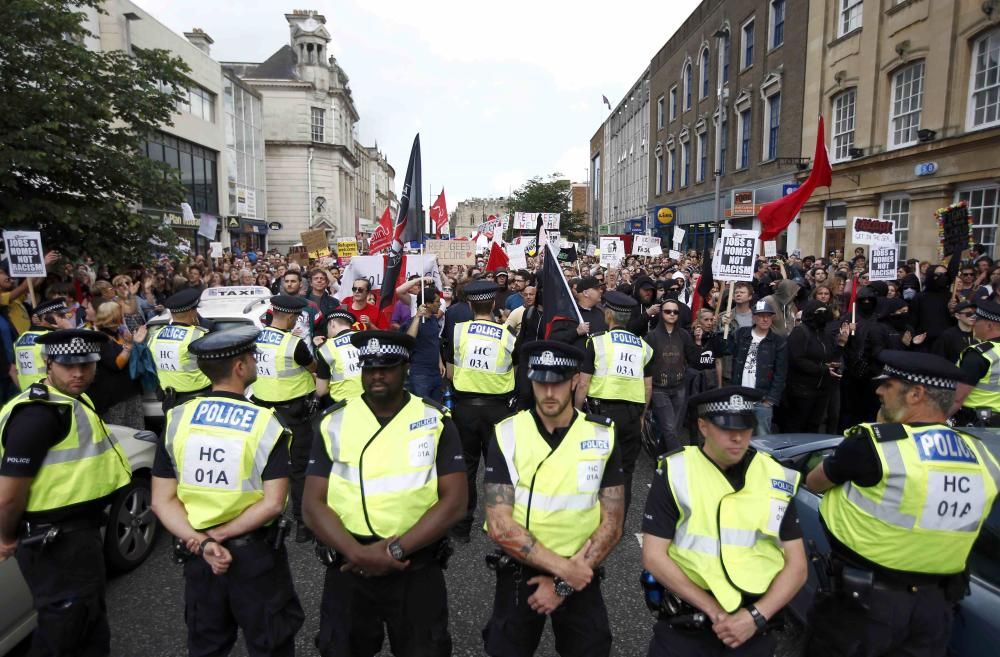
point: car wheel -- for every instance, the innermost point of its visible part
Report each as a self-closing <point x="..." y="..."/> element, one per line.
<point x="132" y="526"/>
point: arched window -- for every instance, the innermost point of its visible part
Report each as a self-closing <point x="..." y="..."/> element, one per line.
<point x="688" y="83"/>
<point x="984" y="84"/>
<point x="705" y="72"/>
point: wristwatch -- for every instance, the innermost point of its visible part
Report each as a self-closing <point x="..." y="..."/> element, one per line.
<point x="396" y="551"/>
<point x="758" y="618"/>
<point x="563" y="588"/>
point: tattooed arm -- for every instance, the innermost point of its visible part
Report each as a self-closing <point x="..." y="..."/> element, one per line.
<point x="609" y="532"/>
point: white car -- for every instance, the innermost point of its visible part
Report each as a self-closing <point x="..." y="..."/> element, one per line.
<point x="129" y="537"/>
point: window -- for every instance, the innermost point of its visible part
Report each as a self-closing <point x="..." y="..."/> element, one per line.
<point x="898" y="210"/>
<point x="984" y="206"/>
<point x="907" y="99"/>
<point x="705" y="73"/>
<point x="726" y="54"/>
<point x="318" y="124"/>
<point x="659" y="174"/>
<point x="685" y="163"/>
<point x="197" y="102"/>
<point x="195" y="166"/>
<point x="984" y="92"/>
<point x="843" y="124"/>
<point x="673" y="102"/>
<point x="671" y="170"/>
<point x="702" y="167"/>
<point x="747" y="59"/>
<point x="723" y="138"/>
<point x="688" y="82"/>
<point x="772" y="117"/>
<point x="777" y="36"/>
<point x="659" y="112"/>
<point x="850" y="16"/>
<point x="743" y="138"/>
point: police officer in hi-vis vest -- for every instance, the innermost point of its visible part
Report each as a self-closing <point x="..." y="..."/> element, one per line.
<point x="220" y="481"/>
<point x="59" y="466"/>
<point x="721" y="535"/>
<point x="48" y="316"/>
<point x="978" y="404"/>
<point x="285" y="383"/>
<point x="905" y="499"/>
<point x="180" y="378"/>
<point x="555" y="502"/>
<point x="616" y="380"/>
<point x="386" y="481"/>
<point x="338" y="373"/>
<point x="480" y="366"/>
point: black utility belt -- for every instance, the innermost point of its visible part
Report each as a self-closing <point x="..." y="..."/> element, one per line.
<point x="483" y="400"/>
<point x="272" y="535"/>
<point x="501" y="562"/>
<point x="42" y="533"/>
<point x="439" y="553"/>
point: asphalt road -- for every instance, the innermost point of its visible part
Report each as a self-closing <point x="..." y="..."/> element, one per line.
<point x="146" y="608"/>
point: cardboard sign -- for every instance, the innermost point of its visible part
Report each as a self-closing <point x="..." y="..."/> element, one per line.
<point x="675" y="255"/>
<point x="869" y="230"/>
<point x="883" y="262"/>
<point x="517" y="259"/>
<point x="771" y="249"/>
<point x="215" y="249"/>
<point x="529" y="220"/>
<point x="737" y="255"/>
<point x="452" y="252"/>
<point x="612" y="251"/>
<point x="315" y="242"/>
<point x="743" y="205"/>
<point x="25" y="253"/>
<point x="679" y="234"/>
<point x="643" y="245"/>
<point x="953" y="224"/>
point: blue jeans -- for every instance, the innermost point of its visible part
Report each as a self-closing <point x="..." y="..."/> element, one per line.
<point x="763" y="413"/>
<point x="427" y="383"/>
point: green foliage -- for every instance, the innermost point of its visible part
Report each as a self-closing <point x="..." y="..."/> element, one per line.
<point x="550" y="195"/>
<point x="72" y="126"/>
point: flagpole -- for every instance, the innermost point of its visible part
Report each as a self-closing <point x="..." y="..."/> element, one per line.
<point x="729" y="309"/>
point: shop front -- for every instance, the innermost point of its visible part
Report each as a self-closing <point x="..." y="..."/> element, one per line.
<point x="247" y="234"/>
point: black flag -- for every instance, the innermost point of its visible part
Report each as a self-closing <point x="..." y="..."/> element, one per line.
<point x="567" y="254"/>
<point x="558" y="302"/>
<point x="705" y="281"/>
<point x="409" y="226"/>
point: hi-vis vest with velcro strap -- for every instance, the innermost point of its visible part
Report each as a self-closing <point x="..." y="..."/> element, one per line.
<point x="29" y="358"/>
<point x="279" y="377"/>
<point x="87" y="464"/>
<point x="219" y="447"/>
<point x="937" y="487"/>
<point x="619" y="360"/>
<point x="986" y="392"/>
<point x="727" y="541"/>
<point x="345" y="369"/>
<point x="555" y="490"/>
<point x="175" y="366"/>
<point x="483" y="362"/>
<point x="383" y="479"/>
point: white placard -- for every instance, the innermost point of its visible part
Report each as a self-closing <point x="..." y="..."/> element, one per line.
<point x="25" y="254"/>
<point x="612" y="251"/>
<point x="516" y="256"/>
<point x="675" y="255"/>
<point x="737" y="256"/>
<point x="643" y="245"/>
<point x="679" y="234"/>
<point x="883" y="262"/>
<point x="372" y="268"/>
<point x="871" y="230"/>
<point x="216" y="249"/>
<point x="770" y="249"/>
<point x="656" y="249"/>
<point x="529" y="220"/>
<point x="591" y="249"/>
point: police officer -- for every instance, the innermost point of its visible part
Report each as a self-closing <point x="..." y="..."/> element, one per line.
<point x="285" y="383"/>
<point x="338" y="374"/>
<point x="617" y="380"/>
<point x="177" y="370"/>
<point x="979" y="405"/>
<point x="720" y="533"/>
<point x="220" y="481"/>
<point x="47" y="316"/>
<point x="386" y="481"/>
<point x="59" y="466"/>
<point x="481" y="368"/>
<point x="905" y="500"/>
<point x="555" y="501"/>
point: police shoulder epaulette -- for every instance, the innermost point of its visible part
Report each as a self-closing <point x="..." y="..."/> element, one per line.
<point x="675" y="450"/>
<point x="336" y="406"/>
<point x="436" y="405"/>
<point x="598" y="334"/>
<point x="985" y="346"/>
<point x="38" y="391"/>
<point x="599" y="419"/>
<point x="887" y="432"/>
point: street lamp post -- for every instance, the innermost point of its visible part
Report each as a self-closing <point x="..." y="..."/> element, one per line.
<point x="720" y="34"/>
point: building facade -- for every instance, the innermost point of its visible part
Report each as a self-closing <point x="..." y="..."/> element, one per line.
<point x="468" y="214"/>
<point x="374" y="189"/>
<point x="911" y="94"/>
<point x="246" y="193"/>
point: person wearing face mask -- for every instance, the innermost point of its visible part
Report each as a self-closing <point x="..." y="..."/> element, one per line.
<point x="815" y="363"/>
<point x="929" y="308"/>
<point x="894" y="314"/>
<point x="867" y="341"/>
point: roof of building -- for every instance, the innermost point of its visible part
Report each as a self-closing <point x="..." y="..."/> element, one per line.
<point x="279" y="66"/>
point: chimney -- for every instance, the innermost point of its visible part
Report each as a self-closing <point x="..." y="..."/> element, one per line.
<point x="200" y="40"/>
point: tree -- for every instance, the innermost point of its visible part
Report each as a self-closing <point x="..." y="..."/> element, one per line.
<point x="72" y="128"/>
<point x="552" y="195"/>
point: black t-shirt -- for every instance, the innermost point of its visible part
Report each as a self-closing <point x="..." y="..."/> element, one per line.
<point x="498" y="473"/>
<point x="974" y="365"/>
<point x="278" y="462"/>
<point x="712" y="347"/>
<point x="662" y="513"/>
<point x="448" y="460"/>
<point x="588" y="364"/>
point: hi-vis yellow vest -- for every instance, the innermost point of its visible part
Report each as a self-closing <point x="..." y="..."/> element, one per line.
<point x="279" y="377"/>
<point x="29" y="359"/>
<point x="219" y="447"/>
<point x="345" y="369"/>
<point x="986" y="392"/>
<point x="555" y="490"/>
<point x="727" y="541"/>
<point x="483" y="358"/>
<point x="937" y="487"/>
<point x="175" y="366"/>
<point x="86" y="465"/>
<point x="619" y="360"/>
<point x="383" y="479"/>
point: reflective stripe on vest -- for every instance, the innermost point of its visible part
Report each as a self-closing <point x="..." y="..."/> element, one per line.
<point x="87" y="464"/>
<point x="382" y="479"/>
<point x="483" y="361"/>
<point x="986" y="393"/>
<point x="219" y="448"/>
<point x="937" y="487"/>
<point x="345" y="369"/>
<point x="279" y="377"/>
<point x="175" y="366"/>
<point x="556" y="490"/>
<point x="30" y="361"/>
<point x="620" y="358"/>
<point x="727" y="542"/>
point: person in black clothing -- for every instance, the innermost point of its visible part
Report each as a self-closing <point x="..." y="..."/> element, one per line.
<point x="588" y="295"/>
<point x="814" y="365"/>
<point x="869" y="338"/>
<point x="318" y="293"/>
<point x="894" y="314"/>
<point x="930" y="307"/>
<point x="531" y="329"/>
<point x="674" y="351"/>
<point x="673" y="291"/>
<point x="955" y="339"/>
<point x="707" y="369"/>
<point x="647" y="312"/>
<point x="459" y="311"/>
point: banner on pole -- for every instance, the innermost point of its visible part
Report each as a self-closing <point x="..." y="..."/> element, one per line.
<point x="529" y="220"/>
<point x="25" y="254"/>
<point x="737" y="255"/>
<point x="869" y="230"/>
<point x="883" y="262"/>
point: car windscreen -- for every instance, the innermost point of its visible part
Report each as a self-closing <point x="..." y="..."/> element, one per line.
<point x="223" y="324"/>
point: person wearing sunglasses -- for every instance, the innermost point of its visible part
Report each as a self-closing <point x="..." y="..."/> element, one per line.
<point x="955" y="339"/>
<point x="674" y="350"/>
<point x="364" y="312"/>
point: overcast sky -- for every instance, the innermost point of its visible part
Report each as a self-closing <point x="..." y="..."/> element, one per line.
<point x="499" y="91"/>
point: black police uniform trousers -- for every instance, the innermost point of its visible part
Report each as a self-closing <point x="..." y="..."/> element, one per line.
<point x="627" y="417"/>
<point x="297" y="416"/>
<point x="476" y="418"/>
<point x="255" y="595"/>
<point x="412" y="605"/>
<point x="67" y="582"/>
<point x="671" y="642"/>
<point x="580" y="623"/>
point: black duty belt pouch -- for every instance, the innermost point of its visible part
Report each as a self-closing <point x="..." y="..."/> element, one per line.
<point x="857" y="585"/>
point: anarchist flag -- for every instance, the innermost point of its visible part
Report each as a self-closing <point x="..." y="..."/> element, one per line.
<point x="558" y="300"/>
<point x="409" y="226"/>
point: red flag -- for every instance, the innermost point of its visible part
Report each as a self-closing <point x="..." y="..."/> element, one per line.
<point x="854" y="293"/>
<point x="439" y="213"/>
<point x="497" y="258"/>
<point x="382" y="237"/>
<point x="777" y="215"/>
